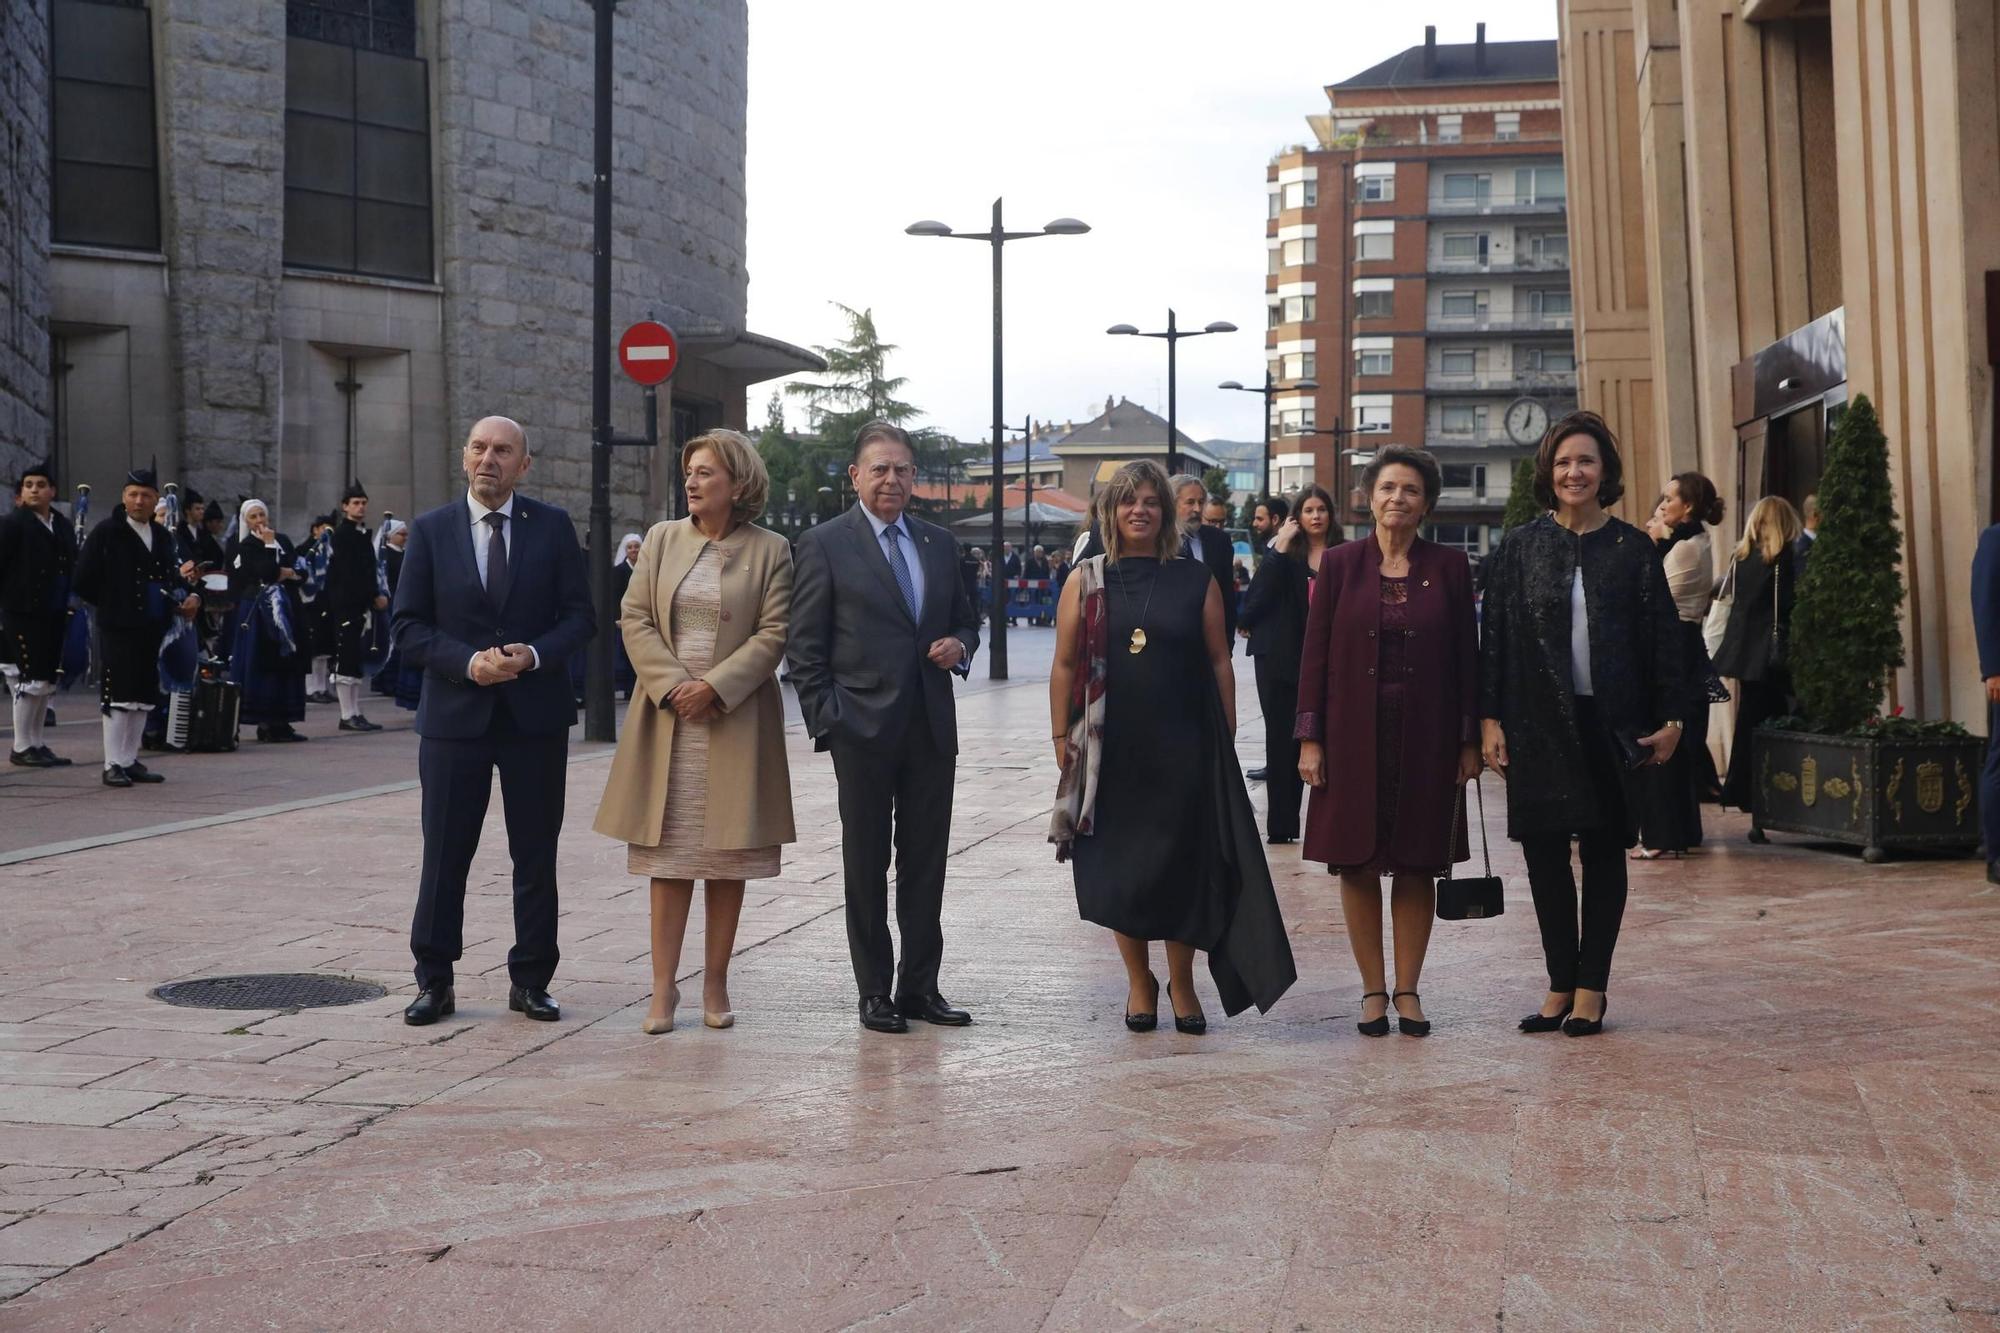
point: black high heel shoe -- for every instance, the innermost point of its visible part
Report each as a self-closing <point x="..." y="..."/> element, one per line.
<point x="1587" y="1027"/>
<point x="1193" y="1026"/>
<point x="1374" y="1027"/>
<point x="1146" y="1022"/>
<point x="1410" y="1027"/>
<point x="1541" y="1022"/>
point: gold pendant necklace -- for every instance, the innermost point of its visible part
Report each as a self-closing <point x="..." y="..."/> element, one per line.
<point x="1138" y="641"/>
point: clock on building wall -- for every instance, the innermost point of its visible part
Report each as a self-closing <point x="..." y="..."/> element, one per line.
<point x="1527" y="420"/>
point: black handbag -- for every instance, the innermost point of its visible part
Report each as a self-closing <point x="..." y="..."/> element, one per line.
<point x="1473" y="899"/>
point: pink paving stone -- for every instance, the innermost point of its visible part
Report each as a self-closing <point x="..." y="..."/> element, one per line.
<point x="61" y="1240"/>
<point x="1749" y="1146"/>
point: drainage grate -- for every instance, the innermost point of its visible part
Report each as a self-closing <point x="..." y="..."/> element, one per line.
<point x="273" y="990"/>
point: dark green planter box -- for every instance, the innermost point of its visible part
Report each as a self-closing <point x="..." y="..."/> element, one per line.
<point x="1881" y="796"/>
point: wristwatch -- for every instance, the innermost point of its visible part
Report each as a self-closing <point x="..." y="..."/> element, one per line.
<point x="1671" y="724"/>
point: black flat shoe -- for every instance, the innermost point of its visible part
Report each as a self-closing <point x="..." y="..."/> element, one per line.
<point x="51" y="758"/>
<point x="1410" y="1027"/>
<point x="431" y="1004"/>
<point x="1541" y="1022"/>
<point x="114" y="776"/>
<point x="1146" y="1022"/>
<point x="358" y="723"/>
<point x="1374" y="1027"/>
<point x="933" y="1008"/>
<point x="534" y="1002"/>
<point x="140" y="773"/>
<point x="1194" y="1025"/>
<point x="29" y="758"/>
<point x="878" y="1015"/>
<point x="1279" y="841"/>
<point x="1587" y="1027"/>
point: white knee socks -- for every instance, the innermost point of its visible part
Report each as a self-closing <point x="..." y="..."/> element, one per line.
<point x="123" y="728"/>
<point x="348" y="691"/>
<point x="316" y="677"/>
<point x="27" y="722"/>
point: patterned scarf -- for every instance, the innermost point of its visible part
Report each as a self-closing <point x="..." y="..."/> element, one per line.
<point x="1076" y="794"/>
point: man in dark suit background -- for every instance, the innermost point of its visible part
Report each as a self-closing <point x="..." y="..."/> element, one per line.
<point x="1210" y="545"/>
<point x="492" y="603"/>
<point x="880" y="621"/>
<point x="1986" y="634"/>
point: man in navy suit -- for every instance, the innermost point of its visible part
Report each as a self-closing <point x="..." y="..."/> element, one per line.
<point x="1986" y="632"/>
<point x="880" y="621"/>
<point x="492" y="603"/>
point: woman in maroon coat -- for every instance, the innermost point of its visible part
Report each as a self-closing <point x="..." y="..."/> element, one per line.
<point x="1388" y="725"/>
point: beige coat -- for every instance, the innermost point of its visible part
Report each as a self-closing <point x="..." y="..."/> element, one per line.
<point x="749" y="780"/>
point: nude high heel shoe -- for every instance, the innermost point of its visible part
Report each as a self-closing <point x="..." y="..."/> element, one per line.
<point x="725" y="1019"/>
<point x="652" y="1029"/>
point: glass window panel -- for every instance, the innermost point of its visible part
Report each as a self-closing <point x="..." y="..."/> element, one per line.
<point x="1458" y="361"/>
<point x="1372" y="305"/>
<point x="1375" y="245"/>
<point x="319" y="230"/>
<point x="1311" y="193"/>
<point x="1459" y="419"/>
<point x="393" y="240"/>
<point x="1466" y="185"/>
<point x="389" y="90"/>
<point x="102" y="43"/>
<point x="98" y="123"/>
<point x="319" y="77"/>
<point x="319" y="153"/>
<point x="1463" y="247"/>
<point x="392" y="165"/>
<point x="109" y="206"/>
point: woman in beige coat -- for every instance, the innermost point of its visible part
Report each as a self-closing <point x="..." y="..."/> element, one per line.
<point x="700" y="787"/>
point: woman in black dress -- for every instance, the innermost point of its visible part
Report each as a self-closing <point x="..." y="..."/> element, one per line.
<point x="1152" y="810"/>
<point x="272" y="649"/>
<point x="1755" y="647"/>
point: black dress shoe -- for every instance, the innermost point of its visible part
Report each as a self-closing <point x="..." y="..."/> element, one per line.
<point x="114" y="776"/>
<point x="358" y="723"/>
<point x="878" y="1015"/>
<point x="1281" y="840"/>
<point x="138" y="772"/>
<point x="1587" y="1027"/>
<point x="1146" y="1022"/>
<point x="534" y="1002"/>
<point x="1258" y="774"/>
<point x="933" y="1008"/>
<point x="1194" y="1024"/>
<point x="1541" y="1022"/>
<point x="29" y="758"/>
<point x="431" y="1004"/>
<point x="51" y="758"/>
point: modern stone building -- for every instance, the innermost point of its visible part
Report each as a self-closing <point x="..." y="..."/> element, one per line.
<point x="1419" y="274"/>
<point x="278" y="243"/>
<point x="1779" y="205"/>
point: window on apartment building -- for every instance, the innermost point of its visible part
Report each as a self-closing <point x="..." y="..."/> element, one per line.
<point x="1538" y="185"/>
<point x="1462" y="419"/>
<point x="1561" y="360"/>
<point x="1371" y="413"/>
<point x="1295" y="418"/>
<point x="1377" y="189"/>
<point x="1470" y="246"/>
<point x="1301" y="309"/>
<point x="1506" y="124"/>
<point x="357" y="143"/>
<point x="1372" y="360"/>
<point x="1299" y="366"/>
<point x="1375" y="245"/>
<point x="1302" y="194"/>
<point x="1302" y="251"/>
<point x="1468" y="187"/>
<point x="1458" y="536"/>
<point x="1294" y="478"/>
<point x="1277" y="202"/>
<point x="1374" y="305"/>
<point x="1463" y="305"/>
<point x="1276" y="258"/>
<point x="1458" y="361"/>
<point x="1276" y="310"/>
<point x="1547" y="249"/>
<point x="105" y="184"/>
<point x="1451" y="129"/>
<point x="1551" y="302"/>
<point x="1465" y="477"/>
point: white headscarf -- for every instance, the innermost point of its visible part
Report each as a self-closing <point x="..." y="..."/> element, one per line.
<point x="390" y="527"/>
<point x="618" y="555"/>
<point x="243" y="516"/>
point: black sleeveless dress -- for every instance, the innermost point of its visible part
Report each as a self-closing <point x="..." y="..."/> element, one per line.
<point x="1141" y="872"/>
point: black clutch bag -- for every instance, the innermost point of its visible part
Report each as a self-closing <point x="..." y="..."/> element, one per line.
<point x="1472" y="899"/>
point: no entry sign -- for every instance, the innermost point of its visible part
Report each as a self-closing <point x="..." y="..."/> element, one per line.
<point x="649" y="352"/>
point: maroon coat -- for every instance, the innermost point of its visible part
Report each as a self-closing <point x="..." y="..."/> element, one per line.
<point x="1337" y="702"/>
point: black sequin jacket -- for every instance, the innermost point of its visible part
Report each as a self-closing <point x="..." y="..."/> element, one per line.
<point x="1636" y="660"/>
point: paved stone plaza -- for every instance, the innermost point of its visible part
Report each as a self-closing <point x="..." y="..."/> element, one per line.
<point x="1793" y="1121"/>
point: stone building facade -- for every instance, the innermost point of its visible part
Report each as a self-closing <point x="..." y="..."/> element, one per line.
<point x="1779" y="205"/>
<point x="374" y="227"/>
<point x="24" y="237"/>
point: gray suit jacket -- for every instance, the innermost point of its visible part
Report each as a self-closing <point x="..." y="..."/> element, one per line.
<point x="858" y="660"/>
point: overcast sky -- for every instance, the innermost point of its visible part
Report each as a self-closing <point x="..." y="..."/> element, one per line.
<point x="1153" y="122"/>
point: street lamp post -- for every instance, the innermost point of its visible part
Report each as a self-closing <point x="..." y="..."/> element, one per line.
<point x="997" y="236"/>
<point x="1270" y="389"/>
<point x="1173" y="334"/>
<point x="1341" y="454"/>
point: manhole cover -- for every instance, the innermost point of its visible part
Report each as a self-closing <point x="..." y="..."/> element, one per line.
<point x="275" y="990"/>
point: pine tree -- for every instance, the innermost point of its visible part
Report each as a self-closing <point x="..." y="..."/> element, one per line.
<point x="1521" y="504"/>
<point x="1846" y="632"/>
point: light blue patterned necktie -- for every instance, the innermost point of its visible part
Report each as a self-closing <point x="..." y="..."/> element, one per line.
<point x="901" y="567"/>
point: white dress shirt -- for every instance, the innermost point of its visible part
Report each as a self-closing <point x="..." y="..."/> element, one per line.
<point x="482" y="539"/>
<point x="145" y="530"/>
<point x="1579" y="637"/>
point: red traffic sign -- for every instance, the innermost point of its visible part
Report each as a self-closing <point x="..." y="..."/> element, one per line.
<point x="649" y="352"/>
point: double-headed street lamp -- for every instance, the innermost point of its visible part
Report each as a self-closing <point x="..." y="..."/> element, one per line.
<point x="1173" y="334"/>
<point x="1271" y="389"/>
<point x="997" y="236"/>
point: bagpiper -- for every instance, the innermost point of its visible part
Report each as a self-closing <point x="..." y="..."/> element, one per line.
<point x="353" y="593"/>
<point x="37" y="561"/>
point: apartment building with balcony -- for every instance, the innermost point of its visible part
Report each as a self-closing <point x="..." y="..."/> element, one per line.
<point x="1419" y="272"/>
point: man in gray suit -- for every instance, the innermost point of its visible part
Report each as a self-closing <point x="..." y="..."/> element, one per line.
<point x="880" y="621"/>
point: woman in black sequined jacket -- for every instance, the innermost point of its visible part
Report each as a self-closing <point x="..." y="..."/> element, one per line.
<point x="1566" y="721"/>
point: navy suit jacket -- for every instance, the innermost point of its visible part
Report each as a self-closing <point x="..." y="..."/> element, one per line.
<point x="1986" y="600"/>
<point x="443" y="617"/>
